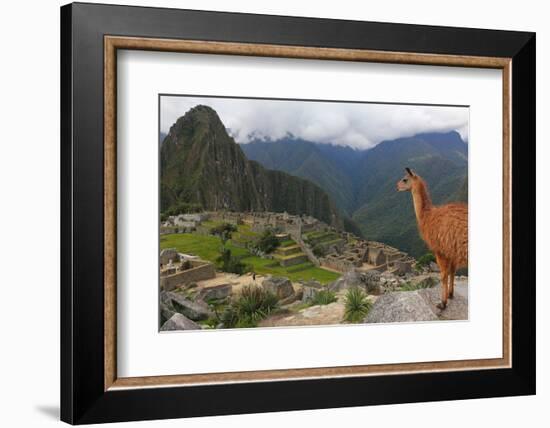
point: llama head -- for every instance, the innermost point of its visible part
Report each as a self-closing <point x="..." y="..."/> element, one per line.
<point x="406" y="183"/>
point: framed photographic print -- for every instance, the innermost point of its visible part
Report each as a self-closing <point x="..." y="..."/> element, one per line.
<point x="265" y="213"/>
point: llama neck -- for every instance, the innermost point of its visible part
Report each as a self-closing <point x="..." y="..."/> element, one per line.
<point x="421" y="200"/>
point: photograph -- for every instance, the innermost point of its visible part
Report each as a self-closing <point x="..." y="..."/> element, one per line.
<point x="263" y="211"/>
<point x="294" y="213"/>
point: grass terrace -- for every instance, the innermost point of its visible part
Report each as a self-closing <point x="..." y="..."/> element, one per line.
<point x="207" y="248"/>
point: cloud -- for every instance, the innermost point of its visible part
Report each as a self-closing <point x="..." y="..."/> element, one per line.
<point x="358" y="125"/>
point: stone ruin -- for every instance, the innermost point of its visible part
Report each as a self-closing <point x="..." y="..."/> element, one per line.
<point x="343" y="255"/>
<point x="177" y="270"/>
<point x="368" y="255"/>
<point x="183" y="223"/>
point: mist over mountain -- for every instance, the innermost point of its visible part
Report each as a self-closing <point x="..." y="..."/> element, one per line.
<point x="362" y="182"/>
<point x="201" y="165"/>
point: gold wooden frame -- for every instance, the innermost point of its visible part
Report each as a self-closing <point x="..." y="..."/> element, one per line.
<point x="113" y="43"/>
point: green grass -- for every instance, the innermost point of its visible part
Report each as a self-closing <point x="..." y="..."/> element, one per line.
<point x="287" y="243"/>
<point x="211" y="223"/>
<point x="207" y="248"/>
<point x="324" y="297"/>
<point x="265" y="266"/>
<point x="315" y="238"/>
<point x="244" y="233"/>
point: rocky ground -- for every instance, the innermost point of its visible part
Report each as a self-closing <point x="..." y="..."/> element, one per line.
<point x="392" y="299"/>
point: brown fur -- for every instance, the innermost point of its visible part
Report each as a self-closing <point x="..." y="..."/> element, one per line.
<point x="444" y="228"/>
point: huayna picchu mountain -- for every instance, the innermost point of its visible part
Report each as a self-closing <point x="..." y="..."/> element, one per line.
<point x="201" y="164"/>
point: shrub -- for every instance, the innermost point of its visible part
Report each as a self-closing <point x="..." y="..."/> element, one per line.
<point x="324" y="297"/>
<point x="224" y="230"/>
<point x="425" y="260"/>
<point x="230" y="263"/>
<point x="251" y="306"/>
<point x="357" y="305"/>
<point x="319" y="250"/>
<point x="268" y="242"/>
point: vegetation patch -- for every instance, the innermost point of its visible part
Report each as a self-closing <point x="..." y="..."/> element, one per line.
<point x="324" y="297"/>
<point x="357" y="305"/>
<point x="300" y="268"/>
<point x="428" y="282"/>
<point x="207" y="247"/>
<point x="425" y="260"/>
<point x="251" y="306"/>
<point x="267" y="243"/>
<point x="224" y="230"/>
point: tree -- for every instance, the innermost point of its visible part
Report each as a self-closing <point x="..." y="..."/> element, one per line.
<point x="268" y="242"/>
<point x="228" y="262"/>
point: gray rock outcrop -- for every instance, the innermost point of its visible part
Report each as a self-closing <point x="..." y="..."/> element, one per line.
<point x="419" y="305"/>
<point x="166" y="312"/>
<point x="179" y="322"/>
<point x="402" y="306"/>
<point x="457" y="307"/>
<point x="310" y="290"/>
<point x="279" y="285"/>
<point x="217" y="292"/>
<point x="194" y="310"/>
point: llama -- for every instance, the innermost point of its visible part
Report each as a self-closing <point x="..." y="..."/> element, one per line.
<point x="444" y="228"/>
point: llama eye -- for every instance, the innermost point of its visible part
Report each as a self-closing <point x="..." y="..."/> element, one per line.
<point x="405" y="180"/>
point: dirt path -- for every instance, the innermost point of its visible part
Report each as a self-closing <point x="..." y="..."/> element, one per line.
<point x="314" y="315"/>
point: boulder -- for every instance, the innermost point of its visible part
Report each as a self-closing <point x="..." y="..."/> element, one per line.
<point x="167" y="255"/>
<point x="278" y="285"/>
<point x="165" y="300"/>
<point x="457" y="307"/>
<point x="179" y="322"/>
<point x="349" y="279"/>
<point x="166" y="312"/>
<point x="403" y="306"/>
<point x="194" y="310"/>
<point x="216" y="292"/>
<point x="310" y="290"/>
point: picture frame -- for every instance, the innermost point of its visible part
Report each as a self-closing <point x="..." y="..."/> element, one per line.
<point x="91" y="35"/>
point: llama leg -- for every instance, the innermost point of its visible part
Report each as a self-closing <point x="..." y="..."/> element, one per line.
<point x="444" y="270"/>
<point x="452" y="272"/>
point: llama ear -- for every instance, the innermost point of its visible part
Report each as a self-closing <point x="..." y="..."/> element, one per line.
<point x="409" y="172"/>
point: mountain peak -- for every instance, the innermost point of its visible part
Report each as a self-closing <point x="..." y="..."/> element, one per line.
<point x="201" y="164"/>
<point x="200" y="115"/>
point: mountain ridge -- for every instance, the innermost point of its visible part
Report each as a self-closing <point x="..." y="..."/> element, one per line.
<point x="202" y="165"/>
<point x="364" y="187"/>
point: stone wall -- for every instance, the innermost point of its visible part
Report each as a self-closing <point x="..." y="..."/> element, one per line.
<point x="293" y="260"/>
<point x="341" y="265"/>
<point x="199" y="272"/>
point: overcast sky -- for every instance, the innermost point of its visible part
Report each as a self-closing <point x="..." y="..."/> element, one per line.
<point x="357" y="125"/>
